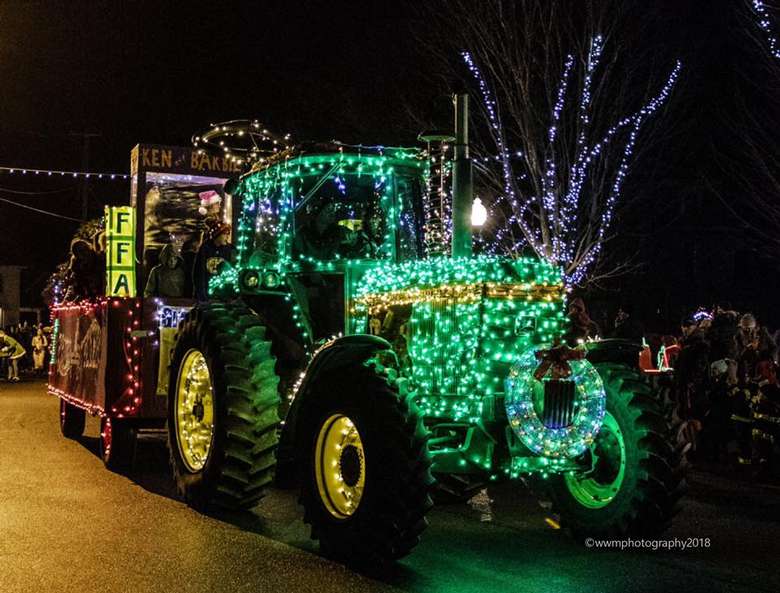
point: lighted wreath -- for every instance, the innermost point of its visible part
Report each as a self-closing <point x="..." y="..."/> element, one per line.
<point x="524" y="391"/>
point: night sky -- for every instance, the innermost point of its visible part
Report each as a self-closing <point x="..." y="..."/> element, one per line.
<point x="156" y="72"/>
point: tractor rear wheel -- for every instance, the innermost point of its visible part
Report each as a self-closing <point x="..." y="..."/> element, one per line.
<point x="72" y="420"/>
<point x="365" y="467"/>
<point x="222" y="408"/>
<point x="636" y="478"/>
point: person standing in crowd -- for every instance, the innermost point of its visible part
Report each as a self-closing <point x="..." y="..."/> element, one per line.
<point x="40" y="345"/>
<point x="626" y="327"/>
<point x="13" y="350"/>
<point x="691" y="373"/>
<point x="754" y="345"/>
<point x="766" y="419"/>
<point x="722" y="335"/>
<point x="581" y="326"/>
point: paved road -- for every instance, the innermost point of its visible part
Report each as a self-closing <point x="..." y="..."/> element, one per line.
<point x="67" y="524"/>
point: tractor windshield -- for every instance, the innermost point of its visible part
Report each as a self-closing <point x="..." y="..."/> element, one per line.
<point x="340" y="210"/>
<point x="342" y="217"/>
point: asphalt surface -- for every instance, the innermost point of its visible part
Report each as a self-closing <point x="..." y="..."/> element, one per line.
<point x="68" y="524"/>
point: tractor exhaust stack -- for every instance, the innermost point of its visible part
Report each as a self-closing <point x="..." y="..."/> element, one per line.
<point x="462" y="184"/>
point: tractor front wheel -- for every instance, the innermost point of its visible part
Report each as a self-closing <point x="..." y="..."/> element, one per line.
<point x="635" y="478"/>
<point x="366" y="480"/>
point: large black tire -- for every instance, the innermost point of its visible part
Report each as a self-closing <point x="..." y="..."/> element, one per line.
<point x="72" y="420"/>
<point x="653" y="479"/>
<point x="117" y="443"/>
<point x="241" y="461"/>
<point x="390" y="516"/>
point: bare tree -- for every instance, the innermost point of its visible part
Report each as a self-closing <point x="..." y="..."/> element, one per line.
<point x="562" y="109"/>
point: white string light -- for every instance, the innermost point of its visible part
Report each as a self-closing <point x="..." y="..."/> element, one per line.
<point x="765" y="24"/>
<point x="561" y="198"/>
<point x="52" y="173"/>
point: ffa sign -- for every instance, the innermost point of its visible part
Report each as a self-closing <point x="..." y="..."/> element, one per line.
<point x="120" y="251"/>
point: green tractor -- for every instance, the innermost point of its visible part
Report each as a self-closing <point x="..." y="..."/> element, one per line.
<point x="338" y="356"/>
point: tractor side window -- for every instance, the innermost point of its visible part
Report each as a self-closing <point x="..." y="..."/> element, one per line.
<point x="266" y="221"/>
<point x="410" y="218"/>
<point x="343" y="218"/>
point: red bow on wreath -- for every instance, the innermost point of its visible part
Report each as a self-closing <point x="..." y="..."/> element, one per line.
<point x="557" y="358"/>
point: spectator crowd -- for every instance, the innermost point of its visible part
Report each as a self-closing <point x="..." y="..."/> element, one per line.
<point x="24" y="348"/>
<point x="718" y="379"/>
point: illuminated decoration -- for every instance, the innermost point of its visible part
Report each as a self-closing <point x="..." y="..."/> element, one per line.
<point x="550" y="223"/>
<point x="340" y="466"/>
<point x="467" y="320"/>
<point x="127" y="315"/>
<point x="242" y="141"/>
<point x="120" y="251"/>
<point x="170" y="317"/>
<point x="78" y="174"/>
<point x="525" y="400"/>
<point x="130" y="400"/>
<point x="764" y="22"/>
<point x="478" y="213"/>
<point x="194" y="411"/>
<point x="437" y="198"/>
<point x="168" y="320"/>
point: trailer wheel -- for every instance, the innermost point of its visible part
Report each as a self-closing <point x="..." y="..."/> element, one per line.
<point x="72" y="420"/>
<point x="117" y="443"/>
<point x="222" y="408"/>
<point x="365" y="468"/>
<point x="636" y="478"/>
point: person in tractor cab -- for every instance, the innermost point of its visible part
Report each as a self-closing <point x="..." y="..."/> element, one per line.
<point x="214" y="253"/>
<point x="13" y="351"/>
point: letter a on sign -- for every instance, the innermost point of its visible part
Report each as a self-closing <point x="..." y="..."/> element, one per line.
<point x="120" y="251"/>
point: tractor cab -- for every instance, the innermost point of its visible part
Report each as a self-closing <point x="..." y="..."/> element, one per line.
<point x="311" y="223"/>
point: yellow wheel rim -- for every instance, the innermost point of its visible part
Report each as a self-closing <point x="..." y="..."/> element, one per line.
<point x="340" y="466"/>
<point x="194" y="411"/>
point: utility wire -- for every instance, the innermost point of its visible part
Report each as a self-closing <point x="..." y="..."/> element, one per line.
<point x="35" y="193"/>
<point x="25" y="206"/>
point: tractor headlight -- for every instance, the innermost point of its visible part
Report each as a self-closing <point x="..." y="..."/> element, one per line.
<point x="251" y="279"/>
<point x="271" y="279"/>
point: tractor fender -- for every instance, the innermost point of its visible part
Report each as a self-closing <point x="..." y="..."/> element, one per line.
<point x="336" y="354"/>
<point x="615" y="351"/>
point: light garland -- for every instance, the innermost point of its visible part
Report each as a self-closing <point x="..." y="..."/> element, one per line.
<point x="241" y="141"/>
<point x="469" y="318"/>
<point x="764" y="22"/>
<point x="556" y="235"/>
<point x="524" y="392"/>
<point x="130" y="400"/>
<point x="77" y="174"/>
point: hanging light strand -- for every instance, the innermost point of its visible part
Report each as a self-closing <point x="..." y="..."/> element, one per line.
<point x="764" y="22"/>
<point x="54" y="172"/>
